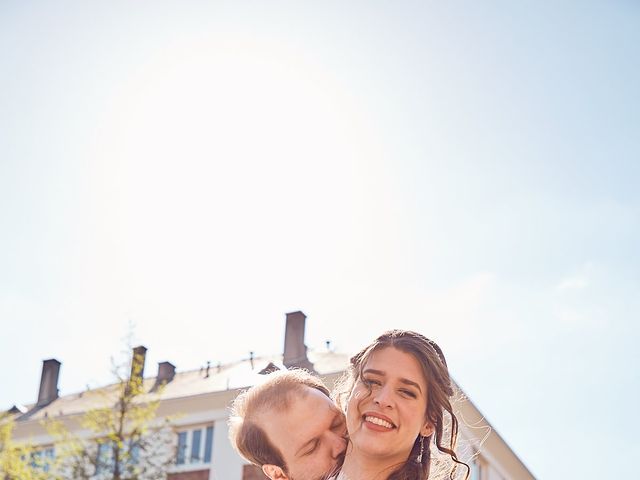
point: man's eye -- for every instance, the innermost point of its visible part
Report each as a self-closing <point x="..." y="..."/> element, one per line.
<point x="312" y="449"/>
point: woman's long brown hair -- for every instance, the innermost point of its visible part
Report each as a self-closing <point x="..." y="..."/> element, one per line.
<point x="440" y="391"/>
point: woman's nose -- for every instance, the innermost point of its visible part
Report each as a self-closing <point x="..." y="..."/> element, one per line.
<point x="382" y="397"/>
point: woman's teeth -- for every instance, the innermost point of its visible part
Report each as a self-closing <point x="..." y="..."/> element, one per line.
<point x="378" y="421"/>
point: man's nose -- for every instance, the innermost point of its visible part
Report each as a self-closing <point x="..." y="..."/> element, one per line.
<point x="338" y="444"/>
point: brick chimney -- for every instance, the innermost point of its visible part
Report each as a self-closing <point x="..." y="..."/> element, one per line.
<point x="137" y="368"/>
<point x="137" y="362"/>
<point x="48" y="382"/>
<point x="166" y="372"/>
<point x="295" y="351"/>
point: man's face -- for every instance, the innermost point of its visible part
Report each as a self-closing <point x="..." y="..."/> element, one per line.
<point x="310" y="434"/>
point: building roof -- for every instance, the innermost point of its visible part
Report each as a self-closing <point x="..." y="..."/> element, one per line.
<point x="217" y="378"/>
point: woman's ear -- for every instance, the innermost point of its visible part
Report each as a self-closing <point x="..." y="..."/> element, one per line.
<point x="427" y="430"/>
<point x="274" y="472"/>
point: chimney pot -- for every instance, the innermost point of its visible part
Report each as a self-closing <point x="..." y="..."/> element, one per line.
<point x="48" y="382"/>
<point x="295" y="351"/>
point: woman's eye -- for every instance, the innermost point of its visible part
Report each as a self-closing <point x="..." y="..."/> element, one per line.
<point x="371" y="381"/>
<point x="408" y="393"/>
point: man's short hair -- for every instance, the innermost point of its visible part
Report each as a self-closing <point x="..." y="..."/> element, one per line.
<point x="245" y="433"/>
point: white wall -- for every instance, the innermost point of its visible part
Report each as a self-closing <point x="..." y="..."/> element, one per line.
<point x="226" y="463"/>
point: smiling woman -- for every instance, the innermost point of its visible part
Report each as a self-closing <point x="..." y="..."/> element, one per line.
<point x="396" y="395"/>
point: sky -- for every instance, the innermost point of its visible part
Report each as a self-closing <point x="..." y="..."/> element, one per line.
<point x="182" y="174"/>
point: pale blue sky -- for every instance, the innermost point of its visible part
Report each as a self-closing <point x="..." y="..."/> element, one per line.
<point x="466" y="169"/>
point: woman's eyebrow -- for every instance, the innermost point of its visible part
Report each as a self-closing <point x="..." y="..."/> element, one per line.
<point x="406" y="381"/>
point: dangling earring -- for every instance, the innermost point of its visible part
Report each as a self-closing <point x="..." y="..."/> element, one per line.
<point x="419" y="457"/>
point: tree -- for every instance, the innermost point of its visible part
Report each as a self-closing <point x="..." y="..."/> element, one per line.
<point x="128" y="441"/>
<point x="20" y="461"/>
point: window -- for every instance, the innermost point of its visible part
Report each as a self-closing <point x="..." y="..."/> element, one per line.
<point x="195" y="446"/>
<point x="134" y="452"/>
<point x="43" y="458"/>
<point x="208" y="444"/>
<point x="476" y="469"/>
<point x="182" y="447"/>
<point x="104" y="460"/>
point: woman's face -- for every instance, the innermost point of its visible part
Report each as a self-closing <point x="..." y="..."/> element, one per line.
<point x="386" y="422"/>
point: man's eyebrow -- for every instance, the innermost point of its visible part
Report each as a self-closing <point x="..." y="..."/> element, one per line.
<point x="406" y="381"/>
<point x="305" y="446"/>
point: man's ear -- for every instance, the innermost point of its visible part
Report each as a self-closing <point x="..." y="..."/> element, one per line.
<point x="274" y="472"/>
<point x="427" y="430"/>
